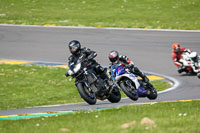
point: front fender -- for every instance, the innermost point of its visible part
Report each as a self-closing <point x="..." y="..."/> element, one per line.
<point x="80" y="81"/>
<point x="131" y="77"/>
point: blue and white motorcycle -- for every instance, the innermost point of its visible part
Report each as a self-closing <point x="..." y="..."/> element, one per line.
<point x="130" y="84"/>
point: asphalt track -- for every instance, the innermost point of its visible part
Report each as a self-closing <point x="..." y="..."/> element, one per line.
<point x="149" y="49"/>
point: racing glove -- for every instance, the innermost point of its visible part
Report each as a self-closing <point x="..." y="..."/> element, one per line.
<point x="92" y="55"/>
<point x="130" y="67"/>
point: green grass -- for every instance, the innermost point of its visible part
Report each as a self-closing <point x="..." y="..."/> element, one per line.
<point x="166" y="14"/>
<point x="160" y="85"/>
<point x="183" y="117"/>
<point x="26" y="86"/>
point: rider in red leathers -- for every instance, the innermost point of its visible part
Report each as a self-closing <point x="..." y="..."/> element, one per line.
<point x="177" y="51"/>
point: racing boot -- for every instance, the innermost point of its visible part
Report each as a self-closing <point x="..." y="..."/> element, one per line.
<point x="136" y="71"/>
<point x="102" y="72"/>
<point x="142" y="75"/>
<point x="180" y="70"/>
<point x="106" y="79"/>
<point x="145" y="79"/>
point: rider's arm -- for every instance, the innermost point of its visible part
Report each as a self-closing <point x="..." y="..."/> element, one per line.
<point x="70" y="59"/>
<point x="175" y="60"/>
<point x="125" y="60"/>
<point x="133" y="69"/>
<point x="89" y="53"/>
<point x="186" y="50"/>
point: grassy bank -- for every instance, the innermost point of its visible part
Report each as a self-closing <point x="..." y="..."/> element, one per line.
<point x="26" y="86"/>
<point x="183" y="117"/>
<point x="167" y="14"/>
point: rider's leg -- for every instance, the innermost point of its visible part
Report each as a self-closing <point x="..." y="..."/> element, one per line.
<point x="181" y="68"/>
<point x="101" y="71"/>
<point x="136" y="71"/>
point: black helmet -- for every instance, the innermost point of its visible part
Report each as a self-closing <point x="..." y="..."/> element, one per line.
<point x="113" y="56"/>
<point x="74" y="46"/>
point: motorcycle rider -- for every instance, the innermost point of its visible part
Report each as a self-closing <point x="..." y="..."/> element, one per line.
<point x="177" y="51"/>
<point x="84" y="54"/>
<point x="115" y="58"/>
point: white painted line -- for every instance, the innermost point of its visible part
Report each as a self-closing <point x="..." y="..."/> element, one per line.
<point x="104" y="28"/>
<point x="57" y="105"/>
<point x="175" y="82"/>
<point x="175" y="85"/>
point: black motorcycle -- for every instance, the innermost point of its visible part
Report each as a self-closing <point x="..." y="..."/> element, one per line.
<point x="91" y="86"/>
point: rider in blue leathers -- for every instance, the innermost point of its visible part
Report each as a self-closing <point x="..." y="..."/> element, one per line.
<point x="115" y="58"/>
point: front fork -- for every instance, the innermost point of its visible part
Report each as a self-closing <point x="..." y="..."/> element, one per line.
<point x="129" y="83"/>
<point x="87" y="84"/>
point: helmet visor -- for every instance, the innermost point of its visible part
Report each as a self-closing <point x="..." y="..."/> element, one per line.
<point x="113" y="56"/>
<point x="177" y="49"/>
<point x="74" y="47"/>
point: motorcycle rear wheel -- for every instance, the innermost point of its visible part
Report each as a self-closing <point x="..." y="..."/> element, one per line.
<point x="131" y="92"/>
<point x="115" y="96"/>
<point x="85" y="94"/>
<point x="153" y="93"/>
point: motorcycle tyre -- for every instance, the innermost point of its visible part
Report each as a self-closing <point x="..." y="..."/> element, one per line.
<point x="81" y="89"/>
<point x="115" y="96"/>
<point x="125" y="90"/>
<point x="153" y="93"/>
<point x="198" y="75"/>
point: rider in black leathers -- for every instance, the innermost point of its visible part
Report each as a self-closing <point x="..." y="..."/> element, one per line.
<point x="85" y="54"/>
<point x="115" y="58"/>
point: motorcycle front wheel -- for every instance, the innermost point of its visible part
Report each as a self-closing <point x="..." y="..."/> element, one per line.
<point x="86" y="94"/>
<point x="129" y="89"/>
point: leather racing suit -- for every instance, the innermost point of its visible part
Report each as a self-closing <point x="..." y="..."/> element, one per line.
<point x="86" y="53"/>
<point x="133" y="69"/>
<point x="176" y="56"/>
